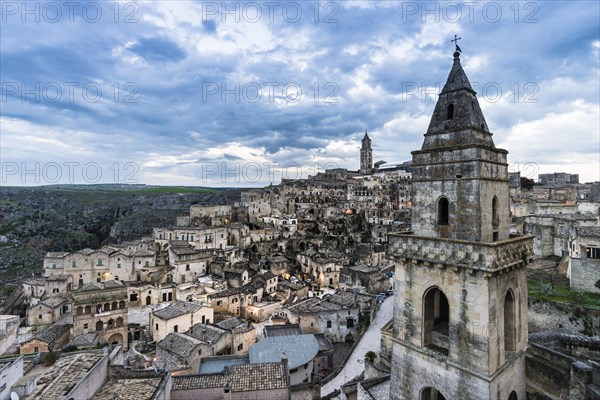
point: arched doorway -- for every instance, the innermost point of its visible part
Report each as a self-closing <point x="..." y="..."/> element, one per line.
<point x="116" y="339"/>
<point x="148" y="300"/>
<point x="513" y="396"/>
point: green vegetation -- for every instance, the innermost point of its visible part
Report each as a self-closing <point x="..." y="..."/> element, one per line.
<point x="167" y="190"/>
<point x="562" y="294"/>
<point x="7" y="290"/>
<point x="371" y="355"/>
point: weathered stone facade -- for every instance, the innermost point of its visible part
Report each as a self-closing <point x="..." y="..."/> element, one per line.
<point x="101" y="308"/>
<point x="460" y="316"/>
<point x="584" y="263"/>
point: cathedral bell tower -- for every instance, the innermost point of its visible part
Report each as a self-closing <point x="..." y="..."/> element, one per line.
<point x="460" y="311"/>
<point x="366" y="156"/>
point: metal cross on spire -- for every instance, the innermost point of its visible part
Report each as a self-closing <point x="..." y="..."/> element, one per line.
<point x="455" y="40"/>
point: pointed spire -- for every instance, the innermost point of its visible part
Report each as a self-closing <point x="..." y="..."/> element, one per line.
<point x="366" y="137"/>
<point x="457" y="79"/>
<point x="457" y="109"/>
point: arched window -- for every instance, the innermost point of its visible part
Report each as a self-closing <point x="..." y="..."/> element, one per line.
<point x="513" y="396"/>
<point x="430" y="393"/>
<point x="509" y="322"/>
<point x="119" y="322"/>
<point x="79" y="310"/>
<point x="99" y="326"/>
<point x="436" y="320"/>
<point x="495" y="217"/>
<point x="114" y="305"/>
<point x="442" y="211"/>
<point x="450" y="111"/>
<point x="88" y="310"/>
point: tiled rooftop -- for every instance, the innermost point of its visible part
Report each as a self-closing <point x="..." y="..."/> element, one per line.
<point x="206" y="333"/>
<point x="177" y="308"/>
<point x="128" y="389"/>
<point x="242" y="378"/>
<point x="59" y="380"/>
<point x="180" y="344"/>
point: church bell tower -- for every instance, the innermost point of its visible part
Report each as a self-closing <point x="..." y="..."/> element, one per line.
<point x="366" y="156"/>
<point x="460" y="311"/>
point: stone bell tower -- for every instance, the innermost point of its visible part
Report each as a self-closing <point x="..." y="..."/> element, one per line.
<point x="366" y="156"/>
<point x="460" y="311"/>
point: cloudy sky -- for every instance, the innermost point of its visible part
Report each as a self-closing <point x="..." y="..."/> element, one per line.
<point x="243" y="93"/>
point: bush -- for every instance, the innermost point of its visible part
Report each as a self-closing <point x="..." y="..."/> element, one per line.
<point x="371" y="356"/>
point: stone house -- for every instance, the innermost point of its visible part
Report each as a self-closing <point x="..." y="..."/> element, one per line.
<point x="372" y="278"/>
<point x="584" y="260"/>
<point x="9" y="328"/>
<point x="235" y="300"/>
<point x="11" y="371"/>
<point x="49" y="310"/>
<point x="179" y="353"/>
<point x="53" y="338"/>
<point x="215" y="340"/>
<point x="187" y="262"/>
<point x="200" y="237"/>
<point x="339" y="322"/>
<point x="552" y="231"/>
<point x="243" y="334"/>
<point x="61" y="283"/>
<point x="33" y="289"/>
<point x="129" y="263"/>
<point x="101" y="309"/>
<point x="237" y="276"/>
<point x="178" y="316"/>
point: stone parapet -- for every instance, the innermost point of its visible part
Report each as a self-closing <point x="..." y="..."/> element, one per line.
<point x="473" y="256"/>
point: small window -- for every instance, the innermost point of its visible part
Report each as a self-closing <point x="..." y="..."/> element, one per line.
<point x="176" y="328"/>
<point x="495" y="216"/>
<point x="329" y="324"/>
<point x="119" y="265"/>
<point x="240" y="347"/>
<point x="156" y="327"/>
<point x="450" y="111"/>
<point x="74" y="264"/>
<point x="442" y="211"/>
<point x="146" y="263"/>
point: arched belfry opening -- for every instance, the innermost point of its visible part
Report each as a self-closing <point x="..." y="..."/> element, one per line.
<point x="442" y="211"/>
<point x="436" y="320"/>
<point x="450" y="111"/>
<point x="509" y="322"/>
<point x="512" y="396"/>
<point x="430" y="393"/>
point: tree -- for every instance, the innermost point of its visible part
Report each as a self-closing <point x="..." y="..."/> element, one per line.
<point x="527" y="183"/>
<point x="371" y="356"/>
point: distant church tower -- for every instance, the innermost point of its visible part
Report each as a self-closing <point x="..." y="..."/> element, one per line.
<point x="460" y="311"/>
<point x="366" y="156"/>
